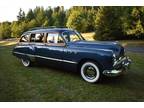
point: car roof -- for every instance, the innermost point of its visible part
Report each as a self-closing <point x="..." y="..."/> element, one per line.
<point x="43" y="30"/>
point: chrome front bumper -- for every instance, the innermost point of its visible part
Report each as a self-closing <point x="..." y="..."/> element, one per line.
<point x="119" y="66"/>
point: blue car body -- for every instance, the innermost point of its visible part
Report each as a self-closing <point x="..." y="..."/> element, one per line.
<point x="110" y="56"/>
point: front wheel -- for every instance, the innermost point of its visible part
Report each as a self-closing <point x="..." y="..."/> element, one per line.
<point x="26" y="62"/>
<point x="90" y="72"/>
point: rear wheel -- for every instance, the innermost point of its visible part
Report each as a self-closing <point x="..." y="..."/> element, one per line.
<point x="26" y="62"/>
<point x="90" y="72"/>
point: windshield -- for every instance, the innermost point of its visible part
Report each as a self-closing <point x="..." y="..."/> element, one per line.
<point x="72" y="36"/>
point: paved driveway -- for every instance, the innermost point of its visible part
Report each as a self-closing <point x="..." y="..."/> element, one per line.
<point x="135" y="49"/>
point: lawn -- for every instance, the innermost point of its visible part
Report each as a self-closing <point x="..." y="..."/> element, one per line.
<point x="18" y="83"/>
<point x="88" y="36"/>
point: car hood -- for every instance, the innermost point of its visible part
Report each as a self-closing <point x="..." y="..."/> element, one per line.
<point x="100" y="45"/>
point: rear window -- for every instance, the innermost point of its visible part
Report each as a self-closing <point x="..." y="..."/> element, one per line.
<point x="38" y="37"/>
<point x="24" y="38"/>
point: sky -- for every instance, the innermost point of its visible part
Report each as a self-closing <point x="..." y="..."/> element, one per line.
<point x="9" y="8"/>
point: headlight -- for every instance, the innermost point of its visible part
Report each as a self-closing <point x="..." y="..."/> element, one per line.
<point x="114" y="56"/>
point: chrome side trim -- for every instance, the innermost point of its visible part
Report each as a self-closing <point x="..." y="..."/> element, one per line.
<point x="49" y="58"/>
<point x="100" y="49"/>
<point x="24" y="54"/>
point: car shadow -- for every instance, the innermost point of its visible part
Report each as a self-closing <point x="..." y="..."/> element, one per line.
<point x="105" y="80"/>
<point x="57" y="69"/>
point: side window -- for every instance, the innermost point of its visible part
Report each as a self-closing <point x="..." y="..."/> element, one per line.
<point x="66" y="36"/>
<point x="38" y="37"/>
<point x="24" y="38"/>
<point x="71" y="36"/>
<point x="32" y="38"/>
<point x="55" y="39"/>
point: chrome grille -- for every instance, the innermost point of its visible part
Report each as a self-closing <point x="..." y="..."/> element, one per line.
<point x="121" y="54"/>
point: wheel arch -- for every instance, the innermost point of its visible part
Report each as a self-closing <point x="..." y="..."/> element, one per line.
<point x="82" y="61"/>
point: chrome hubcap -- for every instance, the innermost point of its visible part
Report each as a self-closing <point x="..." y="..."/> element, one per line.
<point x="90" y="72"/>
<point x="25" y="62"/>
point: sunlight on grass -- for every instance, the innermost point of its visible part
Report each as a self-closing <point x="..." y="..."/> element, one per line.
<point x="89" y="36"/>
<point x="8" y="42"/>
<point x="2" y="42"/>
<point x="132" y="42"/>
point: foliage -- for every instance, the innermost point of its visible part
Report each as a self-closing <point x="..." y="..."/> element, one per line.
<point x="30" y="15"/>
<point x="81" y="18"/>
<point x="58" y="16"/>
<point x="109" y="23"/>
<point x="134" y="22"/>
<point x="21" y="15"/>
<point x="18" y="28"/>
<point x="5" y="30"/>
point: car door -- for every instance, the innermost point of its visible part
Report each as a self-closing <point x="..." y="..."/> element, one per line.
<point x="36" y="41"/>
<point x="70" y="54"/>
<point x="52" y="50"/>
<point x="22" y="49"/>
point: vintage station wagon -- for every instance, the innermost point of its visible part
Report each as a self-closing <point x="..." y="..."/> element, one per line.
<point x="67" y="48"/>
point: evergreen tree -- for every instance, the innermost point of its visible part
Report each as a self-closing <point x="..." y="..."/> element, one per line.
<point x="81" y="18"/>
<point x="18" y="28"/>
<point x="77" y="19"/>
<point x="30" y="15"/>
<point x="48" y="20"/>
<point x="58" y="16"/>
<point x="5" y="30"/>
<point x="134" y="22"/>
<point x="108" y="23"/>
<point x="39" y="15"/>
<point x="21" y="15"/>
<point x="91" y="16"/>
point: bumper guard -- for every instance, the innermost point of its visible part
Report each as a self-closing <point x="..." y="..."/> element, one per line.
<point x="119" y="67"/>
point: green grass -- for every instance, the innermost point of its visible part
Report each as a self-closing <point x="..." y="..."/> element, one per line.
<point x="18" y="83"/>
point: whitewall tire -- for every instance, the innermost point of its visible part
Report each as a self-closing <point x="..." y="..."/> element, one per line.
<point x="90" y="72"/>
<point x="26" y="62"/>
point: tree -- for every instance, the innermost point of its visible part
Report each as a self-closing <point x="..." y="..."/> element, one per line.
<point x="21" y="15"/>
<point x="134" y="22"/>
<point x="40" y="17"/>
<point x="81" y="18"/>
<point x="108" y="23"/>
<point x="30" y="15"/>
<point x="77" y="19"/>
<point x="49" y="20"/>
<point x="32" y="24"/>
<point x="18" y="28"/>
<point x="58" y="16"/>
<point x="5" y="30"/>
<point x="91" y="16"/>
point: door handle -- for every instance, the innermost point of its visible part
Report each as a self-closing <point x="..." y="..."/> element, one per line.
<point x="70" y="52"/>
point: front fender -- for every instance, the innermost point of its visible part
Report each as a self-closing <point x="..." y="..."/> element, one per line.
<point x="104" y="58"/>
